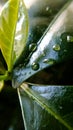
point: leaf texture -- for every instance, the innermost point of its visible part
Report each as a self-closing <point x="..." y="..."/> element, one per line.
<point x="8" y="20"/>
<point x="53" y="47"/>
<point x="43" y="106"/>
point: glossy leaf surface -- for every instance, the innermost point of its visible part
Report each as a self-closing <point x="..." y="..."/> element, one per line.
<point x="47" y="107"/>
<point x="8" y="20"/>
<point x="21" y="30"/>
<point x="55" y="46"/>
<point x="51" y="106"/>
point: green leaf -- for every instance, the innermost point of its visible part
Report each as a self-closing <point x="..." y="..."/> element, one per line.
<point x="21" y="30"/>
<point x="1" y="85"/>
<point x="2" y="67"/>
<point x="8" y="20"/>
<point x="55" y="46"/>
<point x="43" y="106"/>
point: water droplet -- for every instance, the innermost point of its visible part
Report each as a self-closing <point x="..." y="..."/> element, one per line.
<point x="65" y="50"/>
<point x="56" y="47"/>
<point x="33" y="47"/>
<point x="47" y="8"/>
<point x="66" y="37"/>
<point x="60" y="107"/>
<point x="29" y="73"/>
<point x="69" y="38"/>
<point x="49" y="61"/>
<point x="35" y="66"/>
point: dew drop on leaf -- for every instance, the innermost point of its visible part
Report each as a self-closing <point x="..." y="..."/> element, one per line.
<point x="47" y="8"/>
<point x="49" y="61"/>
<point x="69" y="38"/>
<point x="66" y="37"/>
<point x="33" y="47"/>
<point x="56" y="47"/>
<point x="61" y="107"/>
<point x="29" y="72"/>
<point x="35" y="66"/>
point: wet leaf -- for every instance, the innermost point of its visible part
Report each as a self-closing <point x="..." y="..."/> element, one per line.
<point x="46" y="107"/>
<point x="55" y="46"/>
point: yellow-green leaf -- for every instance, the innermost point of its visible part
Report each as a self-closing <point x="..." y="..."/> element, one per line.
<point x="8" y="20"/>
<point x="21" y="30"/>
<point x="1" y="85"/>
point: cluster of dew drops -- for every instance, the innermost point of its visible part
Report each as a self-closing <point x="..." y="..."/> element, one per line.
<point x="56" y="47"/>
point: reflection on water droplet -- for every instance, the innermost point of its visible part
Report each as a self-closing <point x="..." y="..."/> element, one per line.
<point x="18" y="37"/>
<point x="69" y="38"/>
<point x="35" y="66"/>
<point x="47" y="8"/>
<point x="49" y="61"/>
<point x="32" y="47"/>
<point x="56" y="47"/>
<point x="60" y="107"/>
<point x="66" y="37"/>
<point x="65" y="50"/>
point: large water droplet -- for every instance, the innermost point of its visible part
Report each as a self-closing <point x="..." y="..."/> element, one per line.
<point x="35" y="66"/>
<point x="60" y="107"/>
<point x="69" y="38"/>
<point x="56" y="47"/>
<point x="66" y="37"/>
<point x="48" y="9"/>
<point x="32" y="47"/>
<point x="49" y="61"/>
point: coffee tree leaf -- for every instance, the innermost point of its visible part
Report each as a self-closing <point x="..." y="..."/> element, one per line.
<point x="8" y="20"/>
<point x="55" y="46"/>
<point x="43" y="106"/>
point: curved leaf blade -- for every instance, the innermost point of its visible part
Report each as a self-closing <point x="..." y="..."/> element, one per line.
<point x="1" y="85"/>
<point x="50" y="99"/>
<point x="21" y="31"/>
<point x="52" y="48"/>
<point x="8" y="20"/>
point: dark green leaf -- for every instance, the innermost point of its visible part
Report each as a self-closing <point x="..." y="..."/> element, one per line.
<point x="47" y="107"/>
<point x="56" y="45"/>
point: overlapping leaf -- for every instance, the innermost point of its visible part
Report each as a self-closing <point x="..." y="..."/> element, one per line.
<point x="21" y="30"/>
<point x="8" y="20"/>
<point x="56" y="45"/>
<point x="48" y="107"/>
<point x="13" y="31"/>
<point x="43" y="106"/>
